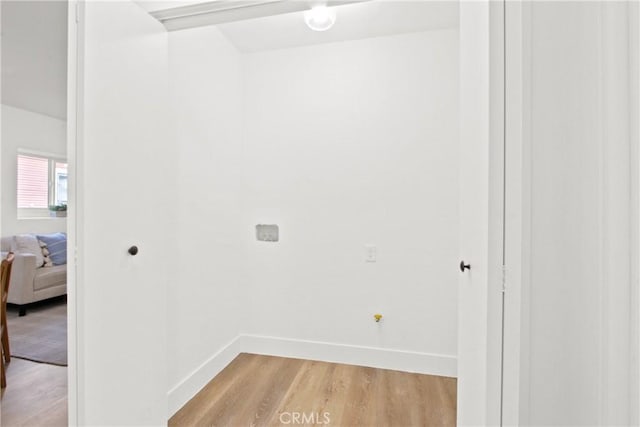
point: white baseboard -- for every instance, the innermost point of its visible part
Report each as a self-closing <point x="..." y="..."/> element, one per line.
<point x="182" y="392"/>
<point x="407" y="361"/>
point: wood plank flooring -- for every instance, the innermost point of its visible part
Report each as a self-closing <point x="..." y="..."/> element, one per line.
<point x="36" y="395"/>
<point x="257" y="390"/>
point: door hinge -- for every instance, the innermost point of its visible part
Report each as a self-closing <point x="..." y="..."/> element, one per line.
<point x="504" y="279"/>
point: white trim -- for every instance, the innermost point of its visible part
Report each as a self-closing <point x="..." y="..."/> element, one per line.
<point x="42" y="154"/>
<point x="496" y="214"/>
<point x="481" y="207"/>
<point x="634" y="117"/>
<point x="74" y="162"/>
<point x="41" y="218"/>
<point x="182" y="392"/>
<point x="616" y="196"/>
<point x="205" y="8"/>
<point x="517" y="227"/>
<point x="1" y="120"/>
<point x="408" y="361"/>
<point x="33" y="213"/>
<point x="223" y="11"/>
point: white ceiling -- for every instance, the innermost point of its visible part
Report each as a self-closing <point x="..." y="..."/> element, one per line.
<point x="34" y="56"/>
<point x="353" y="21"/>
<point x="361" y="20"/>
<point x="34" y="39"/>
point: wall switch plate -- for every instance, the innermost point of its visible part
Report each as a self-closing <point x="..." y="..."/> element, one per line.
<point x="267" y="233"/>
<point x="370" y="253"/>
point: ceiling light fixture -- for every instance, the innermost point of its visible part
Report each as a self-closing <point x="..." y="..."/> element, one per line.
<point x="320" y="18"/>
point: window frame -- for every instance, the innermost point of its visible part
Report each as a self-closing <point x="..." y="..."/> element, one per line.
<point x="52" y="159"/>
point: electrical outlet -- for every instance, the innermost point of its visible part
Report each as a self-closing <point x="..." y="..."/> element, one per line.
<point x="370" y="253"/>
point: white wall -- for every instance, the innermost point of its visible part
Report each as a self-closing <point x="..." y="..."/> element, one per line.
<point x="346" y="145"/>
<point x="207" y="305"/>
<point x="342" y="145"/>
<point x="31" y="131"/>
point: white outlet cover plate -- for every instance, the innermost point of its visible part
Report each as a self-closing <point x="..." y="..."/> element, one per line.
<point x="370" y="253"/>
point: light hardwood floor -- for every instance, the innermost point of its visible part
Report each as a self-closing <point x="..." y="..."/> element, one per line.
<point x="36" y="395"/>
<point x="257" y="390"/>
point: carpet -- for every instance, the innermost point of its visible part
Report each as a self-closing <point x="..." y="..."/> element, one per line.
<point x="41" y="335"/>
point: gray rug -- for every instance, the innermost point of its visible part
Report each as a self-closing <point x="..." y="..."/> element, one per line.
<point x="41" y="335"/>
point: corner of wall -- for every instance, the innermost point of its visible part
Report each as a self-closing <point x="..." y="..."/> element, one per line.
<point x="182" y="392"/>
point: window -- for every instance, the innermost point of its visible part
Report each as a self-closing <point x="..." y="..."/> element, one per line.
<point x="42" y="182"/>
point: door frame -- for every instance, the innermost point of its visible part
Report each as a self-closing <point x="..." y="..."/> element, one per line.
<point x="488" y="24"/>
<point x="518" y="190"/>
<point x="482" y="242"/>
<point x="75" y="32"/>
<point x="634" y="117"/>
<point x="517" y="215"/>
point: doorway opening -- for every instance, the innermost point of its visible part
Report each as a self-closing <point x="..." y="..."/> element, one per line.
<point x="347" y="141"/>
<point x="34" y="206"/>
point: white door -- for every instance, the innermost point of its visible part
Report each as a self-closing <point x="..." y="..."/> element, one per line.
<point x="481" y="210"/>
<point x="124" y="182"/>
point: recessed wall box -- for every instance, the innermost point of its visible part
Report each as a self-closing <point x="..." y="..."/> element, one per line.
<point x="267" y="233"/>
